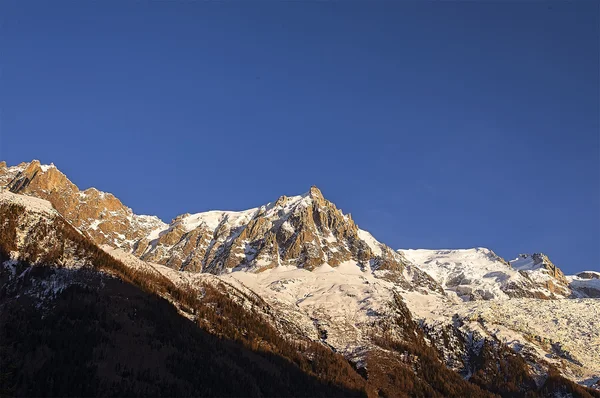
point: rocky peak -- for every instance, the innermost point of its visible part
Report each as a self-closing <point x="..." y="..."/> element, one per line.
<point x="304" y="231"/>
<point x="539" y="262"/>
<point x="35" y="177"/>
<point x="539" y="269"/>
<point x="315" y="194"/>
<point x="101" y="215"/>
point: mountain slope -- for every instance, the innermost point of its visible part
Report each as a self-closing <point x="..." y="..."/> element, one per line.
<point x="303" y="271"/>
<point x="500" y="301"/>
<point x="585" y="284"/>
<point x="107" y="329"/>
<point x="107" y="323"/>
<point x="305" y="231"/>
<point x="104" y="329"/>
<point x="479" y="273"/>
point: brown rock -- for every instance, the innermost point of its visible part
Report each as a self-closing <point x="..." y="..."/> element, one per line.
<point x="99" y="214"/>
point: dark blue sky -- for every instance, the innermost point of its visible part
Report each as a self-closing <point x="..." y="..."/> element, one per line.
<point x="436" y="124"/>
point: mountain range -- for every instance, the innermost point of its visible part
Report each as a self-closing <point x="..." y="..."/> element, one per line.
<point x="290" y="290"/>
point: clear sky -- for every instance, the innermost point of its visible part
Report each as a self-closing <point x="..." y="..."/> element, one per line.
<point x="436" y="124"/>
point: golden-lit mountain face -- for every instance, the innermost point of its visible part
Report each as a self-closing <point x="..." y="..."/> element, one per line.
<point x="294" y="275"/>
<point x="101" y="215"/>
<point x="305" y="231"/>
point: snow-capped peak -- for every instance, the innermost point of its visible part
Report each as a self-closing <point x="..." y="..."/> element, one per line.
<point x="305" y="231"/>
<point x="479" y="273"/>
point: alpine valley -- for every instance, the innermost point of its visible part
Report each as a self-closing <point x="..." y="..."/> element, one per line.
<point x="289" y="298"/>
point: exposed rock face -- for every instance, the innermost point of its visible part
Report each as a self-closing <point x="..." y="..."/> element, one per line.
<point x="8" y="173"/>
<point x="354" y="312"/>
<point x="541" y="260"/>
<point x="101" y="215"/>
<point x="303" y="231"/>
<point x="542" y="271"/>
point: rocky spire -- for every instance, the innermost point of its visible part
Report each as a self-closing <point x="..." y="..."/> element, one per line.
<point x="315" y="192"/>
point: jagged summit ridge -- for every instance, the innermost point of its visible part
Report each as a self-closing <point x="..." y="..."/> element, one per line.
<point x="304" y="231"/>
